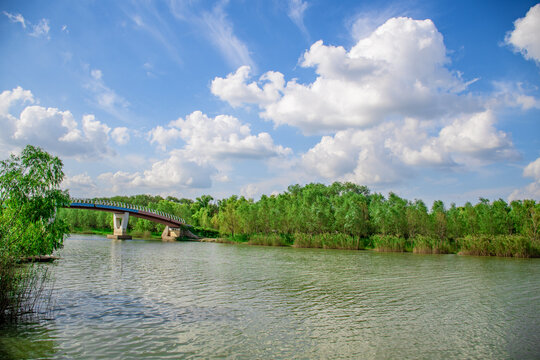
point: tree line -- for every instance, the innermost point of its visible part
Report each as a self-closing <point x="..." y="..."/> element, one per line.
<point x="345" y="215"/>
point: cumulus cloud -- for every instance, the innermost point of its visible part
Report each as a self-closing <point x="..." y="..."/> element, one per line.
<point x="120" y="135"/>
<point x="514" y="95"/>
<point x="235" y="89"/>
<point x="476" y="136"/>
<point x="203" y="150"/>
<point x="53" y="129"/>
<point x="164" y="137"/>
<point x="80" y="183"/>
<point x="175" y="171"/>
<point x="399" y="70"/>
<point x="531" y="191"/>
<point x="393" y="150"/>
<point x="387" y="106"/>
<point x="524" y="38"/>
<point x="221" y="137"/>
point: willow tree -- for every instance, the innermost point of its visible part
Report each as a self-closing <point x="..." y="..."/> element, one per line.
<point x="29" y="198"/>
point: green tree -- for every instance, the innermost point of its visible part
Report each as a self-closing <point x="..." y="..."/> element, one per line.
<point x="29" y="198"/>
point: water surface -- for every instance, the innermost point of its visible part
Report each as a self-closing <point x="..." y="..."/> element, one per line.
<point x="148" y="299"/>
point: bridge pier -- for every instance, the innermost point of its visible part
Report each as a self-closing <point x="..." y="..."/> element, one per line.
<point x="120" y="223"/>
<point x="171" y="234"/>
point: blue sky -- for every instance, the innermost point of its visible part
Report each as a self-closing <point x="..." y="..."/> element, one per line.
<point x="429" y="99"/>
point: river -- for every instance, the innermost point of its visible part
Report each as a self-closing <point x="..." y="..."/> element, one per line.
<point x="148" y="299"/>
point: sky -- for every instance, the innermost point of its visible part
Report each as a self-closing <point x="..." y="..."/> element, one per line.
<point x="432" y="100"/>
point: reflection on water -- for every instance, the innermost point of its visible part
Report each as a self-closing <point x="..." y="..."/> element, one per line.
<point x="139" y="299"/>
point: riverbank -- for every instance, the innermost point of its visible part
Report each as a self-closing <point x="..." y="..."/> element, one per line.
<point x="481" y="245"/>
<point x="146" y="235"/>
<point x="478" y="245"/>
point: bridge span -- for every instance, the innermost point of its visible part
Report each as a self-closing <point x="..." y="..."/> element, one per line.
<point x="175" y="226"/>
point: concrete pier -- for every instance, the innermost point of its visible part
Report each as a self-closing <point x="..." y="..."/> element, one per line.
<point x="120" y="223"/>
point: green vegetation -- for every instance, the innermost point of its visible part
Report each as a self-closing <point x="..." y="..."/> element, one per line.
<point x="29" y="199"/>
<point x="345" y="216"/>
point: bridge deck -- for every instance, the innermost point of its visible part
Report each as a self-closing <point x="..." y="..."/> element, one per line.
<point x="136" y="211"/>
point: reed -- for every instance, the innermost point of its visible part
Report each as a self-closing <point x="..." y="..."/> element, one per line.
<point x="430" y="245"/>
<point x="269" y="240"/>
<point x="499" y="245"/>
<point x="23" y="290"/>
<point x="328" y="241"/>
<point x="389" y="243"/>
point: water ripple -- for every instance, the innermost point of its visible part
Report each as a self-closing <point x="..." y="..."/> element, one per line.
<point x="140" y="299"/>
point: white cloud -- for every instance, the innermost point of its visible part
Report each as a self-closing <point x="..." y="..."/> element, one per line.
<point x="220" y="32"/>
<point x="524" y="38"/>
<point x="205" y="149"/>
<point x="389" y="107"/>
<point x="9" y="98"/>
<point x="533" y="170"/>
<point x="514" y="95"/>
<point x="104" y="97"/>
<point x="235" y="89"/>
<point x="80" y="183"/>
<point x="120" y="135"/>
<point x="296" y="14"/>
<point x="41" y="29"/>
<point x="16" y="18"/>
<point x="399" y="70"/>
<point x="394" y="150"/>
<point x="531" y="191"/>
<point x="50" y="128"/>
<point x="154" y="25"/>
<point x="175" y="171"/>
<point x="216" y="27"/>
<point x="475" y="136"/>
<point x="164" y="136"/>
<point x="221" y="137"/>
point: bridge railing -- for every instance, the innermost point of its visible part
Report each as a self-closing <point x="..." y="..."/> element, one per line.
<point x="129" y="206"/>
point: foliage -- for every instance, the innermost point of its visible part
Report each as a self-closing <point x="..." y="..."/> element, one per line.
<point x="29" y="199"/>
<point x="342" y="215"/>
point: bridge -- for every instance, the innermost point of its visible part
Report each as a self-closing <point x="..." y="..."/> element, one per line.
<point x="175" y="226"/>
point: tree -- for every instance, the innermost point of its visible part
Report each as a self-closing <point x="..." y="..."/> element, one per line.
<point x="29" y="198"/>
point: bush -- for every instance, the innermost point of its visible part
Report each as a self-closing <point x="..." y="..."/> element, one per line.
<point x="204" y="232"/>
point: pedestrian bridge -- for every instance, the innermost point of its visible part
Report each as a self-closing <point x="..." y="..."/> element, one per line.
<point x="175" y="226"/>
